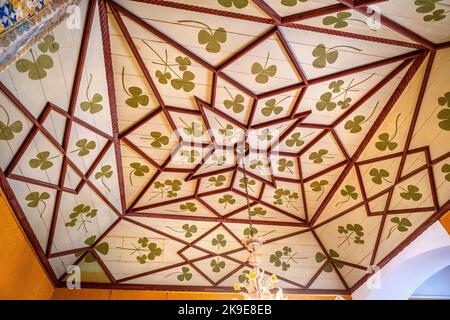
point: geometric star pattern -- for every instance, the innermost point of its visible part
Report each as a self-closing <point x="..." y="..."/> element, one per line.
<point x="124" y="156"/>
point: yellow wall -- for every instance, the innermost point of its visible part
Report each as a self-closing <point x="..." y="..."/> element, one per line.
<point x="445" y="221"/>
<point x="21" y="274"/>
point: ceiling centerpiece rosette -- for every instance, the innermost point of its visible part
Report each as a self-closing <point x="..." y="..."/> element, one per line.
<point x="146" y="145"/>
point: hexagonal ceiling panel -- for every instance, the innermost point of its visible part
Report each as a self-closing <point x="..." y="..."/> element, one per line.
<point x="124" y="155"/>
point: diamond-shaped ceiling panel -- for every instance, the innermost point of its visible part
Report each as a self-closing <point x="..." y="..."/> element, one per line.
<point x="123" y="155"/>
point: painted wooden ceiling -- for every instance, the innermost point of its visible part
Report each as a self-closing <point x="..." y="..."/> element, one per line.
<point x="120" y="139"/>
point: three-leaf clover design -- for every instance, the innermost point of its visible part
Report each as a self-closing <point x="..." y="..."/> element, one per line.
<point x="35" y="198"/>
<point x="272" y="106"/>
<point x="105" y="172"/>
<point x="401" y="225"/>
<point x="84" y="147"/>
<point x="243" y="277"/>
<point x="256" y="164"/>
<point x="189" y="230"/>
<point x="188" y="206"/>
<point x="284" y="164"/>
<point x="42" y="161"/>
<point x="446" y="169"/>
<point x="295" y="140"/>
<point x="247" y="183"/>
<point x="317" y="157"/>
<point x="102" y="248"/>
<point x="265" y="135"/>
<point x="135" y="94"/>
<point x="219" y="241"/>
<point x="339" y="21"/>
<point x="291" y="3"/>
<point x="328" y="265"/>
<point x="185" y="82"/>
<point x="282" y="196"/>
<point x="8" y="130"/>
<point x="81" y="214"/>
<point x="235" y="103"/>
<point x="444" y="114"/>
<point x="326" y="56"/>
<point x="325" y="102"/>
<point x="212" y="39"/>
<point x="190" y="155"/>
<point x="379" y="175"/>
<point x="217" y="265"/>
<point x="48" y="44"/>
<point x="319" y="186"/>
<point x="239" y="4"/>
<point x="263" y="73"/>
<point x="385" y="141"/>
<point x="348" y="231"/>
<point x="145" y="250"/>
<point x="92" y="105"/>
<point x="283" y="258"/>
<point x="349" y="192"/>
<point x="411" y="193"/>
<point x="185" y="274"/>
<point x="194" y="129"/>
<point x="37" y="68"/>
<point x="258" y="211"/>
<point x="429" y="6"/>
<point x="227" y="199"/>
<point x="217" y="181"/>
<point x="354" y="126"/>
<point x="138" y="170"/>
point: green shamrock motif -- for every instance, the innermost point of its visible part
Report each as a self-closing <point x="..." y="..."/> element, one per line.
<point x="263" y="73"/>
<point x="385" y="141"/>
<point x="212" y="39"/>
<point x="265" y="135"/>
<point x="243" y="277"/>
<point x="247" y="183"/>
<point x="8" y="129"/>
<point x="84" y="147"/>
<point x="185" y="274"/>
<point x="326" y="103"/>
<point x="102" y="248"/>
<point x="135" y="94"/>
<point x="188" y="206"/>
<point x="234" y="103"/>
<point x="291" y="3"/>
<point x="167" y="188"/>
<point x="296" y="140"/>
<point x="239" y="4"/>
<point x="258" y="211"/>
<point x="272" y="106"/>
<point x="195" y="129"/>
<point x="48" y="44"/>
<point x="146" y="251"/>
<point x="104" y="173"/>
<point x="189" y="231"/>
<point x="326" y="56"/>
<point x="183" y="82"/>
<point x="217" y="265"/>
<point x="282" y="258"/>
<point x="37" y="69"/>
<point x="355" y="125"/>
<point x="348" y="231"/>
<point x="336" y="86"/>
<point x="158" y="139"/>
<point x="319" y="186"/>
<point x="81" y="214"/>
<point x="411" y="193"/>
<point x="444" y="114"/>
<point x="349" y="192"/>
<point x="92" y="105"/>
<point x="36" y="198"/>
<point x="282" y="196"/>
<point x="227" y="199"/>
<point x="379" y="175"/>
<point x="446" y="169"/>
<point x="138" y="170"/>
<point x="217" y="181"/>
<point x="339" y="21"/>
<point x="217" y="160"/>
<point x="256" y="164"/>
<point x="219" y="241"/>
<point x="429" y="6"/>
<point x="401" y="225"/>
<point x="42" y="161"/>
<point x="227" y="130"/>
<point x="320" y="257"/>
<point x="284" y="164"/>
<point x="317" y="157"/>
<point x="250" y="231"/>
<point x="190" y="155"/>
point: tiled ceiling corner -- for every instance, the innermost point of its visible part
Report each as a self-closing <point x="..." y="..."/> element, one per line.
<point x="120" y="140"/>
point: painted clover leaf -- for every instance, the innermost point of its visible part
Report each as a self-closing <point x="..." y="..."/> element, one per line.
<point x="185" y="82"/>
<point x="92" y="105"/>
<point x="291" y="3"/>
<point x="217" y="181"/>
<point x="8" y="130"/>
<point x="163" y="78"/>
<point x="320" y="257"/>
<point x="188" y="206"/>
<point x="36" y="198"/>
<point x="444" y="114"/>
<point x="138" y="170"/>
<point x="194" y="129"/>
<point x="227" y="199"/>
<point x="379" y="175"/>
<point x="256" y="164"/>
<point x="48" y="44"/>
<point x="349" y="192"/>
<point x="243" y="277"/>
<point x="265" y="135"/>
<point x="324" y="56"/>
<point x="272" y="106"/>
<point x="284" y="164"/>
<point x="189" y="231"/>
<point x="401" y="225"/>
<point x="425" y="6"/>
<point x="227" y="130"/>
<point x="158" y="139"/>
<point x="354" y="126"/>
<point x="436" y="15"/>
<point x="185" y="274"/>
<point x="190" y="155"/>
<point x="446" y="169"/>
<point x="250" y="231"/>
<point x="385" y="141"/>
<point x="42" y="161"/>
<point x="81" y="214"/>
<point x="212" y="39"/>
<point x="235" y="103"/>
<point x="102" y="248"/>
<point x="146" y="251"/>
<point x="325" y="102"/>
<point x="217" y="160"/>
<point x="317" y="157"/>
<point x="351" y="232"/>
<point x="283" y="258"/>
<point x="247" y="183"/>
<point x="219" y="241"/>
<point x="264" y="73"/>
<point x="84" y="147"/>
<point x="239" y="4"/>
<point x="282" y="196"/>
<point x="217" y="265"/>
<point x="296" y="139"/>
<point x="319" y="186"/>
<point x="183" y="63"/>
<point x="135" y="94"/>
<point x="411" y="193"/>
<point x="37" y="68"/>
<point x="105" y="172"/>
<point x="339" y="21"/>
<point x="429" y="6"/>
<point x="258" y="211"/>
